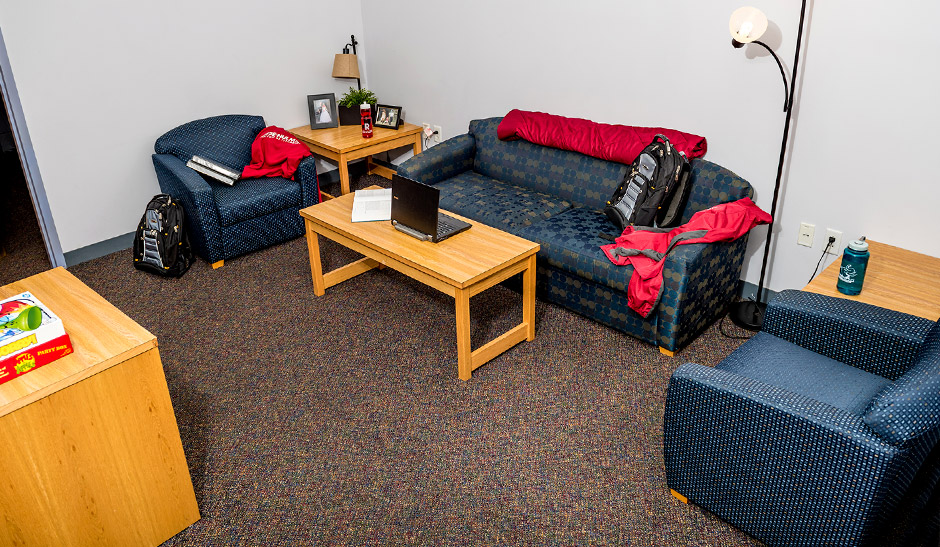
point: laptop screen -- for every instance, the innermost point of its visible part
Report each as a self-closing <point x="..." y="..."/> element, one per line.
<point x="415" y="204"/>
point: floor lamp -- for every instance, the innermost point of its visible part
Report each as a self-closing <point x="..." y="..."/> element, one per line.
<point x="747" y="26"/>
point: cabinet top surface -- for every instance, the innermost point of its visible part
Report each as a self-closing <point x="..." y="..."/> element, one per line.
<point x="101" y="336"/>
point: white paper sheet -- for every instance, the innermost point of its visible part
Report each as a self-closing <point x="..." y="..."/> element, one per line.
<point x="370" y="205"/>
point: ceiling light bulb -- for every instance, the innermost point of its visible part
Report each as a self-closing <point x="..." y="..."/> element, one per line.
<point x="746" y="28"/>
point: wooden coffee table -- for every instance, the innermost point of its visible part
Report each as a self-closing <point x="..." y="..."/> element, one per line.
<point x="460" y="266"/>
<point x="345" y="143"/>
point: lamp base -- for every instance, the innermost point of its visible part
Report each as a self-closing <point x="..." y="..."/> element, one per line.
<point x="748" y="315"/>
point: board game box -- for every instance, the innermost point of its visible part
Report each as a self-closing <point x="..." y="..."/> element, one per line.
<point x="30" y="336"/>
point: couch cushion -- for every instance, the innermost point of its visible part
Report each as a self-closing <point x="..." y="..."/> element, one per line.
<point x="570" y="242"/>
<point x="571" y="176"/>
<point x="779" y="363"/>
<point x="250" y="198"/>
<point x="224" y="139"/>
<point x="911" y="407"/>
<point x="496" y="203"/>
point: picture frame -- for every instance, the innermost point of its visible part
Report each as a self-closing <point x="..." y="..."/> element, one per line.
<point x="323" y="111"/>
<point x="387" y="116"/>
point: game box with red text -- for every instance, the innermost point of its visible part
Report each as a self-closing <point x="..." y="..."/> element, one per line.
<point x="30" y="336"/>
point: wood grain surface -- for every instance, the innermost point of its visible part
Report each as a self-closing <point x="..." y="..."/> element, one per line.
<point x="896" y="279"/>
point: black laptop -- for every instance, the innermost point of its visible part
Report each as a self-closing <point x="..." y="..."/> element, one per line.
<point x="415" y="211"/>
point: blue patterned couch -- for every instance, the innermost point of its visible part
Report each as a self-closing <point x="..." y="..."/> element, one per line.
<point x="555" y="197"/>
<point x="822" y="429"/>
<point x="226" y="221"/>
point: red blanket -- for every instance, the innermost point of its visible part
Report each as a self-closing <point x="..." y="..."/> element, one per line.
<point x="275" y="153"/>
<point x="647" y="250"/>
<point x="620" y="143"/>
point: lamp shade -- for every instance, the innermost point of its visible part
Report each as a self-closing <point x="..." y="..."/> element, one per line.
<point x="747" y="24"/>
<point x="345" y="65"/>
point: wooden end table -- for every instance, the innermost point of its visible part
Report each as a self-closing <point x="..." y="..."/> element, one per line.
<point x="345" y="143"/>
<point x="460" y="266"/>
<point x="90" y="447"/>
<point x="896" y="279"/>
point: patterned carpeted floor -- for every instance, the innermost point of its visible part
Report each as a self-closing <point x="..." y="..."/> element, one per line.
<point x="340" y="420"/>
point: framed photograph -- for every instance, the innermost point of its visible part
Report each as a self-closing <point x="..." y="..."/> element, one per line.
<point x="387" y="116"/>
<point x="322" y="110"/>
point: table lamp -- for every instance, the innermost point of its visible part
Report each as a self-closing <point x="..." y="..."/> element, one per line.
<point x="345" y="64"/>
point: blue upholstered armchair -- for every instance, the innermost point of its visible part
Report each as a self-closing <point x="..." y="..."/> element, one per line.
<point x="227" y="221"/>
<point x="820" y="430"/>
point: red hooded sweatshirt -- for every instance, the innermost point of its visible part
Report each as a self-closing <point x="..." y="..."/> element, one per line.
<point x="646" y="248"/>
<point x="275" y="153"/>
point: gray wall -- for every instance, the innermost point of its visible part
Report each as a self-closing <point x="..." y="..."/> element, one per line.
<point x="864" y="135"/>
<point x="100" y="80"/>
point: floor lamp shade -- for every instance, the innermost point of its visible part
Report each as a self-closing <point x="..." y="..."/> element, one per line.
<point x="345" y="65"/>
<point x="747" y="24"/>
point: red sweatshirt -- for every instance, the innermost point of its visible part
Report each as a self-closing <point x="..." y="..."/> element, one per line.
<point x="275" y="153"/>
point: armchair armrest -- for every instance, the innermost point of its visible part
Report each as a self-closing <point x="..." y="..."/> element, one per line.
<point x="450" y="158"/>
<point x="306" y="175"/>
<point x="876" y="340"/>
<point x="189" y="188"/>
<point x="728" y="438"/>
<point x="699" y="281"/>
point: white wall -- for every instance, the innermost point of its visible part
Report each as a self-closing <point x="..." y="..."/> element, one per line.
<point x="100" y="80"/>
<point x="862" y="135"/>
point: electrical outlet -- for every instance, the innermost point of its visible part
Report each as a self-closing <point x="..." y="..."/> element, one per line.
<point x="807" y="232"/>
<point x="438" y="137"/>
<point x="836" y="247"/>
<point x="427" y="129"/>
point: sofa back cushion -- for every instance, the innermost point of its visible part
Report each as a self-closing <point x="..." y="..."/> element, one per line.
<point x="712" y="184"/>
<point x="224" y="139"/>
<point x="572" y="176"/>
<point x="910" y="408"/>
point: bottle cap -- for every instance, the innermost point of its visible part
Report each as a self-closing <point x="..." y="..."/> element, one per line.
<point x="859" y="245"/>
<point x="365" y="106"/>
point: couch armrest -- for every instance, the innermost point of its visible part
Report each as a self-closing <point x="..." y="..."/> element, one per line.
<point x="777" y="464"/>
<point x="699" y="281"/>
<point x="876" y="340"/>
<point x="450" y="158"/>
<point x="189" y="188"/>
<point x="306" y="175"/>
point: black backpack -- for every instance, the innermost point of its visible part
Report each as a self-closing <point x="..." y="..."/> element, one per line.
<point x="655" y="189"/>
<point x="161" y="244"/>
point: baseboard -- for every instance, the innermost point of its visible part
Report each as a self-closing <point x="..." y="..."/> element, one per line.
<point x="747" y="291"/>
<point x="102" y="248"/>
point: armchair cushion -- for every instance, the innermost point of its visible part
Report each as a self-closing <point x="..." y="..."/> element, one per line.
<point x="250" y="198"/>
<point x="911" y="407"/>
<point x="779" y="363"/>
<point x="880" y="341"/>
<point x="224" y="139"/>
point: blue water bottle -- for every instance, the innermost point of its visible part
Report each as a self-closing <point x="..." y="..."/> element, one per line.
<point x="854" y="264"/>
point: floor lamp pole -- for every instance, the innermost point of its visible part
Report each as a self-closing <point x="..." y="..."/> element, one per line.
<point x="750" y="314"/>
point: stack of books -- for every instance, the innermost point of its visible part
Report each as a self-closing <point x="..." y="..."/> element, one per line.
<point x="213" y="169"/>
<point x="30" y="336"/>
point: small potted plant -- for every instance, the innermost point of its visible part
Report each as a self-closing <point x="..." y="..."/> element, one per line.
<point x="349" y="105"/>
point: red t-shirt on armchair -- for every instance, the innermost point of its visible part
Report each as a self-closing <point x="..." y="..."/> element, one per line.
<point x="275" y="153"/>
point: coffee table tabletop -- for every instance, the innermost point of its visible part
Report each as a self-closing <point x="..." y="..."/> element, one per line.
<point x="460" y="266"/>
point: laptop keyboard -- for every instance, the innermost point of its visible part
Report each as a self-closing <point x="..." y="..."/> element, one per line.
<point x="445" y="225"/>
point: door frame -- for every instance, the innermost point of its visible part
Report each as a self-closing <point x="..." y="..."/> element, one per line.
<point x="24" y="149"/>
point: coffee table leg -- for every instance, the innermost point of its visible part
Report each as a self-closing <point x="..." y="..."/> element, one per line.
<point x="464" y="361"/>
<point x="316" y="267"/>
<point x="528" y="298"/>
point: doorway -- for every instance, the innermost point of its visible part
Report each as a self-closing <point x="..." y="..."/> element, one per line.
<point x="22" y="250"/>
